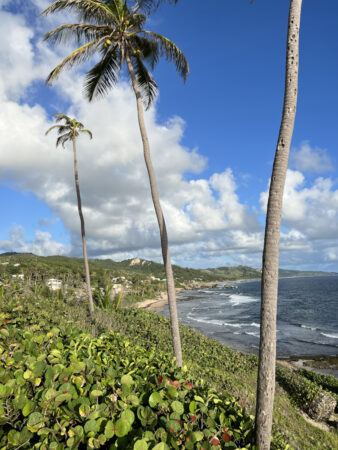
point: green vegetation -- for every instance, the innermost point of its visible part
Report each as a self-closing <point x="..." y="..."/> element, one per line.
<point x="54" y="360"/>
<point x="38" y="268"/>
<point x="302" y="390"/>
<point x="47" y="336"/>
<point x="328" y="382"/>
<point x="62" y="388"/>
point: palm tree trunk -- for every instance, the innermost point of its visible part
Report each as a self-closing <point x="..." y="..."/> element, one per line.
<point x="83" y="232"/>
<point x="267" y="350"/>
<point x="161" y="222"/>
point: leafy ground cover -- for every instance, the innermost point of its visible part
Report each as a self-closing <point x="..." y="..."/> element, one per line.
<point x="62" y="388"/>
<point x="328" y="382"/>
<point x="119" y="371"/>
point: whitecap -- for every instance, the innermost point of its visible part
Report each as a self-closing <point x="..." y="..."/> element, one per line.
<point x="332" y="336"/>
<point x="236" y="299"/>
<point x="252" y="334"/>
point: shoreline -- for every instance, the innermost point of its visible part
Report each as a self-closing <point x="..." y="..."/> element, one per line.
<point x="326" y="366"/>
<point x="154" y="304"/>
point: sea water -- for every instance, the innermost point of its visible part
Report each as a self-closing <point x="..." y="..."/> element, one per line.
<point x="307" y="319"/>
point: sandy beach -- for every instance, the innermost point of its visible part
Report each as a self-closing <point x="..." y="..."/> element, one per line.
<point x="154" y="304"/>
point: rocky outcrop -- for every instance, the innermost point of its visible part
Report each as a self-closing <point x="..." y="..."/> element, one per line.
<point x="322" y="408"/>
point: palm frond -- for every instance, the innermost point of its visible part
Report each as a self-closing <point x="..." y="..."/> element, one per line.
<point x="60" y="116"/>
<point x="171" y="52"/>
<point x="79" y="125"/>
<point x="148" y="48"/>
<point x="88" y="132"/>
<point x="61" y="140"/>
<point x="148" y="5"/>
<point x="103" y="75"/>
<point x="65" y="129"/>
<point x="87" y="10"/>
<point x="145" y="81"/>
<point x="52" y="128"/>
<point x="137" y="21"/>
<point x="118" y="8"/>
<point x="76" y="57"/>
<point x="77" y="32"/>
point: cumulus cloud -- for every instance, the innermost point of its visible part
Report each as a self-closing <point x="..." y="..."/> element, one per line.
<point x="310" y="219"/>
<point x="311" y="159"/>
<point x="120" y="219"/>
<point x="208" y="224"/>
<point x="42" y="244"/>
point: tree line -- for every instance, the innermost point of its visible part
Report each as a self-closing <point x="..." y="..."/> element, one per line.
<point x="115" y="30"/>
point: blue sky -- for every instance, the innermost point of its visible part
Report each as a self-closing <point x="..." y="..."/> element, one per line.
<point x="213" y="140"/>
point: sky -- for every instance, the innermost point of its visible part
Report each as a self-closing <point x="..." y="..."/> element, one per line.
<point x="212" y="140"/>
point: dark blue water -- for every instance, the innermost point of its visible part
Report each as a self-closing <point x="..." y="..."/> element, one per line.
<point x="307" y="315"/>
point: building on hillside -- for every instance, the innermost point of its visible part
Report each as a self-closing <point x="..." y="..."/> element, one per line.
<point x="53" y="284"/>
<point x="21" y="276"/>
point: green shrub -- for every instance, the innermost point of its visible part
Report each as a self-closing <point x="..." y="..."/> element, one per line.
<point x="328" y="382"/>
<point x="302" y="391"/>
<point x="61" y="388"/>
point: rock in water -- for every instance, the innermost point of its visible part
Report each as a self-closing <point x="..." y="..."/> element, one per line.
<point x="322" y="408"/>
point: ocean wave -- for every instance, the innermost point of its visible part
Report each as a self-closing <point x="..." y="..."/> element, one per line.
<point x="252" y="333"/>
<point x="216" y="322"/>
<point x="332" y="336"/>
<point x="308" y="328"/>
<point x="236" y="299"/>
<point x="254" y="324"/>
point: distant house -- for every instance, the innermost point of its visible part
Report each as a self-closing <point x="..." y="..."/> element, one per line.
<point x="5" y="264"/>
<point x="54" y="284"/>
<point x="16" y="265"/>
<point x="21" y="276"/>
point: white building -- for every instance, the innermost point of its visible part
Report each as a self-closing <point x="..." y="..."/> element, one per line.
<point x="53" y="284"/>
<point x="21" y="276"/>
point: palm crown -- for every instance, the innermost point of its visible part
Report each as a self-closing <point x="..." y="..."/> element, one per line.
<point x="115" y="29"/>
<point x="69" y="130"/>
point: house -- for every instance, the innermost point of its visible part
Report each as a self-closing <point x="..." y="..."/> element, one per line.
<point x="21" y="276"/>
<point x="54" y="284"/>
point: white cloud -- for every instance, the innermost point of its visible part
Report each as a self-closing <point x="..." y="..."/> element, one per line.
<point x="309" y="159"/>
<point x="42" y="244"/>
<point x="207" y="223"/>
<point x="310" y="220"/>
<point x="120" y="218"/>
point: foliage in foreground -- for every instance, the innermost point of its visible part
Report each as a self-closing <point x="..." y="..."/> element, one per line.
<point x="63" y="389"/>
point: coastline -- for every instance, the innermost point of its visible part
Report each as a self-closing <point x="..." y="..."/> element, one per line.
<point x="154" y="304"/>
<point x="323" y="364"/>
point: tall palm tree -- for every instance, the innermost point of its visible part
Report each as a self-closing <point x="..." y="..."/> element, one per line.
<point x="267" y="349"/>
<point x="69" y="130"/>
<point x="115" y="30"/>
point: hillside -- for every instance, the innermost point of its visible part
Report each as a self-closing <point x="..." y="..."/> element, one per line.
<point x="67" y="381"/>
<point x="40" y="267"/>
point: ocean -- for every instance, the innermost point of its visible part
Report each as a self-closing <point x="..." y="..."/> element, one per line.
<point x="307" y="320"/>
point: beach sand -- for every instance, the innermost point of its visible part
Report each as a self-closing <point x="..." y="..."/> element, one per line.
<point x="154" y="304"/>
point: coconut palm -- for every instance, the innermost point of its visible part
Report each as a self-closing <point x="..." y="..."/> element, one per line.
<point x="267" y="350"/>
<point x="69" y="130"/>
<point x="114" y="29"/>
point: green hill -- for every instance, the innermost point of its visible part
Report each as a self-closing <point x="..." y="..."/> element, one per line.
<point x="40" y="267"/>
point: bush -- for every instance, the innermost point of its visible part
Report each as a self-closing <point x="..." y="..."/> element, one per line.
<point x="61" y="388"/>
<point x="328" y="382"/>
<point x="303" y="391"/>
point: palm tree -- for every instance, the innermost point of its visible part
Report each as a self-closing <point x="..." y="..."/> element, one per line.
<point x="115" y="30"/>
<point x="267" y="349"/>
<point x="69" y="131"/>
